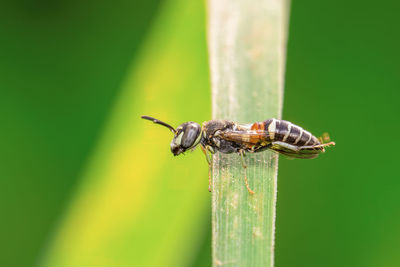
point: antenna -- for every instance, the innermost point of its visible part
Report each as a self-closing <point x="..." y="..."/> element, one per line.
<point x="159" y="122"/>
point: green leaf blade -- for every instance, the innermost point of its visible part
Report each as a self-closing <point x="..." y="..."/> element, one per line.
<point x="247" y="41"/>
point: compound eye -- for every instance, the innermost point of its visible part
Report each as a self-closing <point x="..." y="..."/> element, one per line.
<point x="190" y="135"/>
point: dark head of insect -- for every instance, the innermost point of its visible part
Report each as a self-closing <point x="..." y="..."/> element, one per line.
<point x="186" y="136"/>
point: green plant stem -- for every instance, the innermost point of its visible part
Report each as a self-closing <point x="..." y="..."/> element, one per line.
<point x="247" y="43"/>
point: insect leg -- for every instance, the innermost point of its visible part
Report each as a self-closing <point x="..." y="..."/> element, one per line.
<point x="296" y="149"/>
<point x="286" y="146"/>
<point x="241" y="152"/>
<point x="317" y="147"/>
<point x="209" y="166"/>
<point x="293" y="151"/>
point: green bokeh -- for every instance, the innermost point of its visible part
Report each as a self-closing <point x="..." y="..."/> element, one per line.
<point x="342" y="209"/>
<point x="62" y="64"/>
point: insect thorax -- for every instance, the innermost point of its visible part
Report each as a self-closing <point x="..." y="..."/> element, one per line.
<point x="211" y="138"/>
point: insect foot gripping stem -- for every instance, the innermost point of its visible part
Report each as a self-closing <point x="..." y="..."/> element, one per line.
<point x="241" y="152"/>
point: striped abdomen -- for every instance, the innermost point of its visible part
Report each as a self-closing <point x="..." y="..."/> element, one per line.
<point x="287" y="132"/>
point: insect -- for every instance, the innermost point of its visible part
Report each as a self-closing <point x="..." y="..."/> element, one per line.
<point x="227" y="136"/>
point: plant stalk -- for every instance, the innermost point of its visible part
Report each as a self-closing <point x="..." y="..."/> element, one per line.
<point x="247" y="44"/>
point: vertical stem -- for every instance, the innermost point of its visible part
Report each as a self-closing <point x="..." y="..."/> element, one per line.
<point x="247" y="41"/>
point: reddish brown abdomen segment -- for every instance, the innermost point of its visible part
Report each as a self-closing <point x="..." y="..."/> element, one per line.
<point x="259" y="127"/>
<point x="287" y="132"/>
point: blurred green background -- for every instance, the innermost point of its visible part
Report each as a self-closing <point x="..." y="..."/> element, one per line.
<point x="85" y="182"/>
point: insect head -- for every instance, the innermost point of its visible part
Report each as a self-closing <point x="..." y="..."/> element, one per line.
<point x="186" y="136"/>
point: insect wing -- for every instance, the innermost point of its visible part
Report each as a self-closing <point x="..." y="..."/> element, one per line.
<point x="246" y="137"/>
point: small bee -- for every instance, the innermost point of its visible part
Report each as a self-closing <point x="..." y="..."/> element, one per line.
<point x="229" y="137"/>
